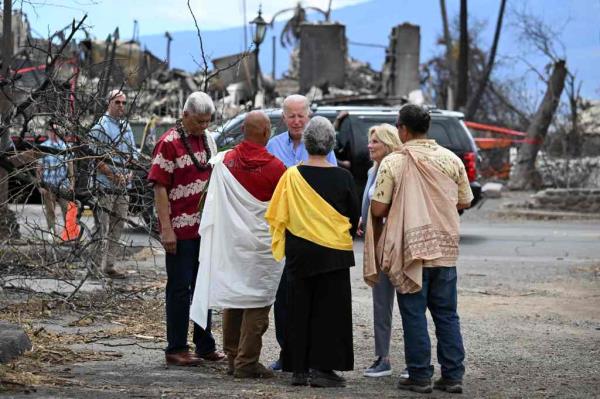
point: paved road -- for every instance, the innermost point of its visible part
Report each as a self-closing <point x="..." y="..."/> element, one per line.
<point x="525" y="252"/>
<point x="529" y="297"/>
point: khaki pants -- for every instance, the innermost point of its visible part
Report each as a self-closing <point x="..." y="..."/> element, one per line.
<point x="242" y="334"/>
<point x="112" y="219"/>
<point x="49" y="199"/>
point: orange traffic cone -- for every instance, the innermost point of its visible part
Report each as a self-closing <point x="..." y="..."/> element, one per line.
<point x="72" y="229"/>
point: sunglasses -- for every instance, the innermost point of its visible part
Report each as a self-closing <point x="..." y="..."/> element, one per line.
<point x="119" y="102"/>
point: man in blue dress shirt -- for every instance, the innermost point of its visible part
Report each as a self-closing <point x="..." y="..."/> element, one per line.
<point x="289" y="148"/>
<point x="113" y="142"/>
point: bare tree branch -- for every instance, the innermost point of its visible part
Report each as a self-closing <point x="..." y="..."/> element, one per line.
<point x="205" y="63"/>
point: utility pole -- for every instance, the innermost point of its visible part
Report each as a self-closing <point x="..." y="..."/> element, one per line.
<point x="462" y="70"/>
<point x="136" y="31"/>
<point x="111" y="62"/>
<point x="274" y="50"/>
<point x="103" y="84"/>
<point x="169" y="40"/>
<point x="245" y="25"/>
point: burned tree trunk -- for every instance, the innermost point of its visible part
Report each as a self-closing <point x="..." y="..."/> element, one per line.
<point x="462" y="69"/>
<point x="473" y="103"/>
<point x="8" y="224"/>
<point x="524" y="175"/>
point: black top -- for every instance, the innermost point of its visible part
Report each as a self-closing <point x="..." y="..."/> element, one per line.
<point x="305" y="258"/>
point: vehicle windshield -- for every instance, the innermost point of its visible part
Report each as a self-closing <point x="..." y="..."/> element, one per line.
<point x="364" y="123"/>
<point x="229" y="124"/>
<point x="438" y="131"/>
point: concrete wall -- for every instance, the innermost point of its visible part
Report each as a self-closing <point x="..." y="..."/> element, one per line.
<point x="322" y="55"/>
<point x="561" y="199"/>
<point x="20" y="29"/>
<point x="401" y="70"/>
<point x="569" y="172"/>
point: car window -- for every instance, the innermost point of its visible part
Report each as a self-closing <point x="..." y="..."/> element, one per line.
<point x="343" y="141"/>
<point x="449" y="133"/>
<point x="230" y="134"/>
<point x="439" y="132"/>
<point x="278" y="126"/>
<point x="364" y="123"/>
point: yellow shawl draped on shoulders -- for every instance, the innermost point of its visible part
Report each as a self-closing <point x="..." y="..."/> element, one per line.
<point x="297" y="207"/>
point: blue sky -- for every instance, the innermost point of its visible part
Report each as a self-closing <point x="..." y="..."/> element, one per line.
<point x="155" y="16"/>
<point x="370" y="21"/>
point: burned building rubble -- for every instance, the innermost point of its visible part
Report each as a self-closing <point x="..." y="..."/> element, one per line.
<point x="319" y="66"/>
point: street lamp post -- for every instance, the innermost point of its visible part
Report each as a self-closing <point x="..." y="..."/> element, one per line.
<point x="260" y="28"/>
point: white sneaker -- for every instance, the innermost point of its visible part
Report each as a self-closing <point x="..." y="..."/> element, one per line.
<point x="404" y="373"/>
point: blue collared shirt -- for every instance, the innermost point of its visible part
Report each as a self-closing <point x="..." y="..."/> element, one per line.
<point x="113" y="137"/>
<point x="282" y="147"/>
<point x="54" y="166"/>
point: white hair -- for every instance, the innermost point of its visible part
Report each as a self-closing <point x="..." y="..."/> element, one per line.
<point x="114" y="94"/>
<point x="296" y="98"/>
<point x="199" y="103"/>
<point x="319" y="136"/>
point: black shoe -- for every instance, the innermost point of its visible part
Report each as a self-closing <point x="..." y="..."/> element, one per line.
<point x="326" y="379"/>
<point x="450" y="386"/>
<point x="420" y="386"/>
<point x="300" y="379"/>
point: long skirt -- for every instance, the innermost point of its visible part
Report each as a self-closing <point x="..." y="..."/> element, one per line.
<point x="319" y="328"/>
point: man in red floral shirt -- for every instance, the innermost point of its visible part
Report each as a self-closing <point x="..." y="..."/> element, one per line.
<point x="180" y="172"/>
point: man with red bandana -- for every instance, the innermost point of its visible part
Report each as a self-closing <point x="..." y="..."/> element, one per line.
<point x="242" y="275"/>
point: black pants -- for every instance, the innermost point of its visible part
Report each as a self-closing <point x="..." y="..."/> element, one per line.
<point x="182" y="269"/>
<point x="280" y="309"/>
<point x="319" y="334"/>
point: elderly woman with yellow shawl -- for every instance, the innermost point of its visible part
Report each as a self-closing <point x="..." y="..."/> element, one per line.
<point x="313" y="215"/>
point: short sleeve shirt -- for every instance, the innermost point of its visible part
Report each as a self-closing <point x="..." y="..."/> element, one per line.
<point x="114" y="139"/>
<point x="54" y="166"/>
<point x="173" y="168"/>
<point x="429" y="151"/>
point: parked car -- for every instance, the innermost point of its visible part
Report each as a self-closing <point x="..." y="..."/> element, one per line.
<point x="447" y="129"/>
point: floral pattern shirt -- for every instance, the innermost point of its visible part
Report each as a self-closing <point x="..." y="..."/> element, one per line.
<point x="173" y="168"/>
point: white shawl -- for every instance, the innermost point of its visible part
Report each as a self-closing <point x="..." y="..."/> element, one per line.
<point x="237" y="269"/>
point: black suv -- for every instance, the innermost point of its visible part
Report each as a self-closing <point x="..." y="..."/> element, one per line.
<point x="447" y="129"/>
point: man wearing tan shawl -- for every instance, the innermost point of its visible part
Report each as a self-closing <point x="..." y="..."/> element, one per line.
<point x="418" y="190"/>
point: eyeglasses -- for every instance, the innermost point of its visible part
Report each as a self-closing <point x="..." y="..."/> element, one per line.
<point x="118" y="102"/>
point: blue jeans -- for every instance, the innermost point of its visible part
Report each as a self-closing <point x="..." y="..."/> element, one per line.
<point x="182" y="269"/>
<point x="440" y="297"/>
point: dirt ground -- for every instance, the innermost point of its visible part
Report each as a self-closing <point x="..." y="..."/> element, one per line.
<point x="531" y="326"/>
